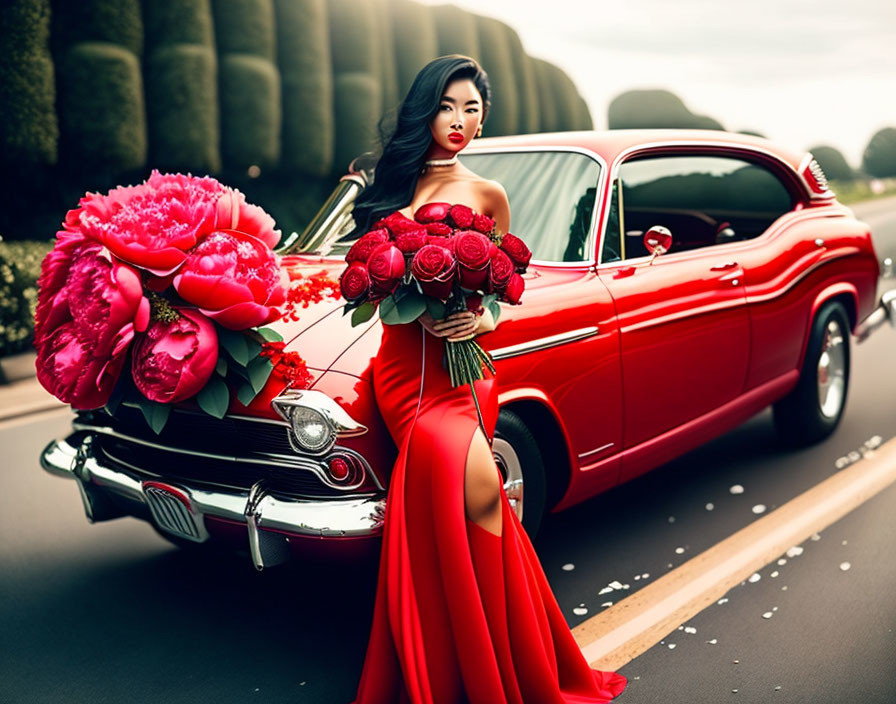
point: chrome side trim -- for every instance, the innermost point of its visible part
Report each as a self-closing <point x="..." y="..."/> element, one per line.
<point x="543" y="343"/>
<point x="583" y="455"/>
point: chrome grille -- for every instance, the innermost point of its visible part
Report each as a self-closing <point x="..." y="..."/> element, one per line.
<point x="169" y="513"/>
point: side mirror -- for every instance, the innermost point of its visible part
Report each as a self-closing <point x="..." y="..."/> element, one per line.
<point x="657" y="240"/>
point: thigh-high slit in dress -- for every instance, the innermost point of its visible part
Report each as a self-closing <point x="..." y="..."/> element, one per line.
<point x="461" y="614"/>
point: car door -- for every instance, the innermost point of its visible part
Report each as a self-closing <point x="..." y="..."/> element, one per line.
<point x="683" y="322"/>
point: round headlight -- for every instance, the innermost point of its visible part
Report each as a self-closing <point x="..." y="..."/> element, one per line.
<point x="311" y="429"/>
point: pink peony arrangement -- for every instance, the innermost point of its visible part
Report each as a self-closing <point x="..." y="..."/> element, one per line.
<point x="175" y="275"/>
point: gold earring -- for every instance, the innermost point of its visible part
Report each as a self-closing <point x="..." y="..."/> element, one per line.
<point x="479" y="131"/>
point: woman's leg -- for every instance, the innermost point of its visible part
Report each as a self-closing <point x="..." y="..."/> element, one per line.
<point x="482" y="485"/>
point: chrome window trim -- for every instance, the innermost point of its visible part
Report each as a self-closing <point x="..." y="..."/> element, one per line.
<point x="614" y="171"/>
<point x="543" y="343"/>
<point x="590" y="242"/>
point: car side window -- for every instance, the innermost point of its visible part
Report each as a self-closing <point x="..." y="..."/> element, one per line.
<point x="551" y="194"/>
<point x="702" y="200"/>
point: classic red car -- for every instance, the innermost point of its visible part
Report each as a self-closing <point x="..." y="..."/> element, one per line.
<point x="681" y="282"/>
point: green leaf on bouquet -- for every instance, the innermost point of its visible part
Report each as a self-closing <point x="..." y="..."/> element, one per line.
<point x="236" y="345"/>
<point x="254" y="348"/>
<point x="270" y="334"/>
<point x="214" y="398"/>
<point x="363" y="313"/>
<point x="246" y="393"/>
<point x="490" y="301"/>
<point x="259" y="369"/>
<point x="405" y="309"/>
<point x="156" y="414"/>
<point x="221" y="366"/>
<point x="435" y="307"/>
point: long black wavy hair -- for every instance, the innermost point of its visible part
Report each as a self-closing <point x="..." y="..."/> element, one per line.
<point x="401" y="161"/>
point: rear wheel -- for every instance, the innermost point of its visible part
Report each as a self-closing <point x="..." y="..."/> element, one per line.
<point x="813" y="409"/>
<point x="519" y="459"/>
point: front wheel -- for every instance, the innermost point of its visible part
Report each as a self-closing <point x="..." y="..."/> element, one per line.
<point x="813" y="409"/>
<point x="519" y="459"/>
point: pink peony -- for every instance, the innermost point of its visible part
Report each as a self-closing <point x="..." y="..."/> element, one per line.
<point x="89" y="307"/>
<point x="154" y="224"/>
<point x="234" y="213"/>
<point x="234" y="279"/>
<point x="174" y="360"/>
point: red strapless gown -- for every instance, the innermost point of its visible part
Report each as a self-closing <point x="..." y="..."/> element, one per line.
<point x="461" y="614"/>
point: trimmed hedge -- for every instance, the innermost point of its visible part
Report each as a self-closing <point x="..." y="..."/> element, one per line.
<point x="547" y="109"/>
<point x="115" y="21"/>
<point x="495" y="57"/>
<point x="178" y="22"/>
<point x="879" y="156"/>
<point x="565" y="98"/>
<point x="19" y="271"/>
<point x="356" y="96"/>
<point x="415" y="39"/>
<point x="385" y="45"/>
<point x="245" y="27"/>
<point x="526" y="85"/>
<point x="353" y="36"/>
<point x="654" y="109"/>
<point x="456" y="31"/>
<point x="182" y="108"/>
<point x="249" y="87"/>
<point x="29" y="130"/>
<point x="585" y="121"/>
<point x="303" y="56"/>
<point x="101" y="111"/>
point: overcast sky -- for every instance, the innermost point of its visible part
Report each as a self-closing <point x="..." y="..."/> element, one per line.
<point x="801" y="72"/>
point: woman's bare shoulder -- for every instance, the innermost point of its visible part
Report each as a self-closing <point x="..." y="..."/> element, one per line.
<point x="495" y="203"/>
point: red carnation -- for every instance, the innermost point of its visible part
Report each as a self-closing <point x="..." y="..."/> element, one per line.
<point x="386" y="267"/>
<point x="438" y="229"/>
<point x="500" y="271"/>
<point x="432" y="212"/>
<point x="514" y="289"/>
<point x="483" y="223"/>
<point x="473" y="251"/>
<point x="397" y="223"/>
<point x="360" y="250"/>
<point x="434" y="267"/>
<point x="354" y="282"/>
<point x="517" y="250"/>
<point x="461" y="215"/>
<point x="410" y="242"/>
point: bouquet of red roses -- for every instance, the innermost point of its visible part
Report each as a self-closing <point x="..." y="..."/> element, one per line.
<point x="175" y="276"/>
<point x="447" y="259"/>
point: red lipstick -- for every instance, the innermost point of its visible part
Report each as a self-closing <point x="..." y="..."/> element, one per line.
<point x="456" y="137"/>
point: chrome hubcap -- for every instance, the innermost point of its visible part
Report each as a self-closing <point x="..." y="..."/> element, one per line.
<point x="831" y="370"/>
<point x="509" y="464"/>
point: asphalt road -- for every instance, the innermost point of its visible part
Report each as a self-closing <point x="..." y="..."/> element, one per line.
<point x="111" y="613"/>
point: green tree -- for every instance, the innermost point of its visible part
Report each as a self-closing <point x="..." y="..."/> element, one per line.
<point x="655" y="109"/>
<point x="833" y="163"/>
<point x="879" y="159"/>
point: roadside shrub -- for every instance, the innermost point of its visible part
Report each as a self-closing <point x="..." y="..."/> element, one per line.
<point x="19" y="271"/>
<point x="456" y="31"/>
<point x="415" y="39"/>
<point x="178" y="22"/>
<point x="101" y="110"/>
<point x="356" y="97"/>
<point x="306" y="74"/>
<point x="115" y="21"/>
<point x="496" y="59"/>
<point x="245" y="27"/>
<point x="250" y="111"/>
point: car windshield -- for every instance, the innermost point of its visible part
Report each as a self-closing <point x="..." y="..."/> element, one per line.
<point x="552" y="197"/>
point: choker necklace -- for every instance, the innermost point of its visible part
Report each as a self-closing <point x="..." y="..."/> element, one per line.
<point x="441" y="162"/>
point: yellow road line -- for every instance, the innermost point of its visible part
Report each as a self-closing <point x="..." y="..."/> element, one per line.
<point x="619" y="634"/>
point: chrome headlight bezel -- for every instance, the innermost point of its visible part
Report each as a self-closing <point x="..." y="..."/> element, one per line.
<point x="303" y="407"/>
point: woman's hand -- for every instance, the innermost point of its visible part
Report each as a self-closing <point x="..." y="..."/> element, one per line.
<point x="454" y="327"/>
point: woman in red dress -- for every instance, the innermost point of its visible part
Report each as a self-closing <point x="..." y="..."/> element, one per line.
<point x="463" y="611"/>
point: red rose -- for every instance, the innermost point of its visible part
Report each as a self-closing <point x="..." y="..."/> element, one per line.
<point x="514" y="289"/>
<point x="517" y="250"/>
<point x="434" y="267"/>
<point x="461" y="215"/>
<point x="474" y="303"/>
<point x="360" y="250"/>
<point x="233" y="278"/>
<point x="500" y="271"/>
<point x="354" y="282"/>
<point x="432" y="212"/>
<point x="438" y="229"/>
<point x="472" y="250"/>
<point x="483" y="223"/>
<point x="410" y="242"/>
<point x="386" y="267"/>
<point x="174" y="360"/>
<point x="397" y="223"/>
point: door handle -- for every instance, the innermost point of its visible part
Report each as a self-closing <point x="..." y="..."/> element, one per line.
<point x="723" y="267"/>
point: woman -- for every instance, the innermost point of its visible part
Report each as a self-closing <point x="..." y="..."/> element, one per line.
<point x="463" y="609"/>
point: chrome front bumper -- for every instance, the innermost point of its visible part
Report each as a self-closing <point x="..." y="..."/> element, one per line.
<point x="883" y="313"/>
<point x="180" y="508"/>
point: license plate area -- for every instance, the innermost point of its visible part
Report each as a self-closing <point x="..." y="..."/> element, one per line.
<point x="174" y="512"/>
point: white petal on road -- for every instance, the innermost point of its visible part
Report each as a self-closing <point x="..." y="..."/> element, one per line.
<point x="736" y="489"/>
<point x="671" y="519"/>
<point x="568" y="567"/>
<point x="679" y="551"/>
<point x="873" y="442"/>
<point x="710" y="506"/>
<point x="774" y="574"/>
<point x="646" y="575"/>
<point x="795" y="551"/>
<point x="767" y="614"/>
<point x="723" y="600"/>
<point x="690" y="629"/>
<point x="755" y="577"/>
<point x="615" y="585"/>
<point x="580" y="611"/>
<point x="607" y="603"/>
<point x="782" y="561"/>
<point x="713" y="641"/>
<point x="845" y="566"/>
<point x="671" y="646"/>
<point x="759" y="508"/>
<point x="815" y="537"/>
